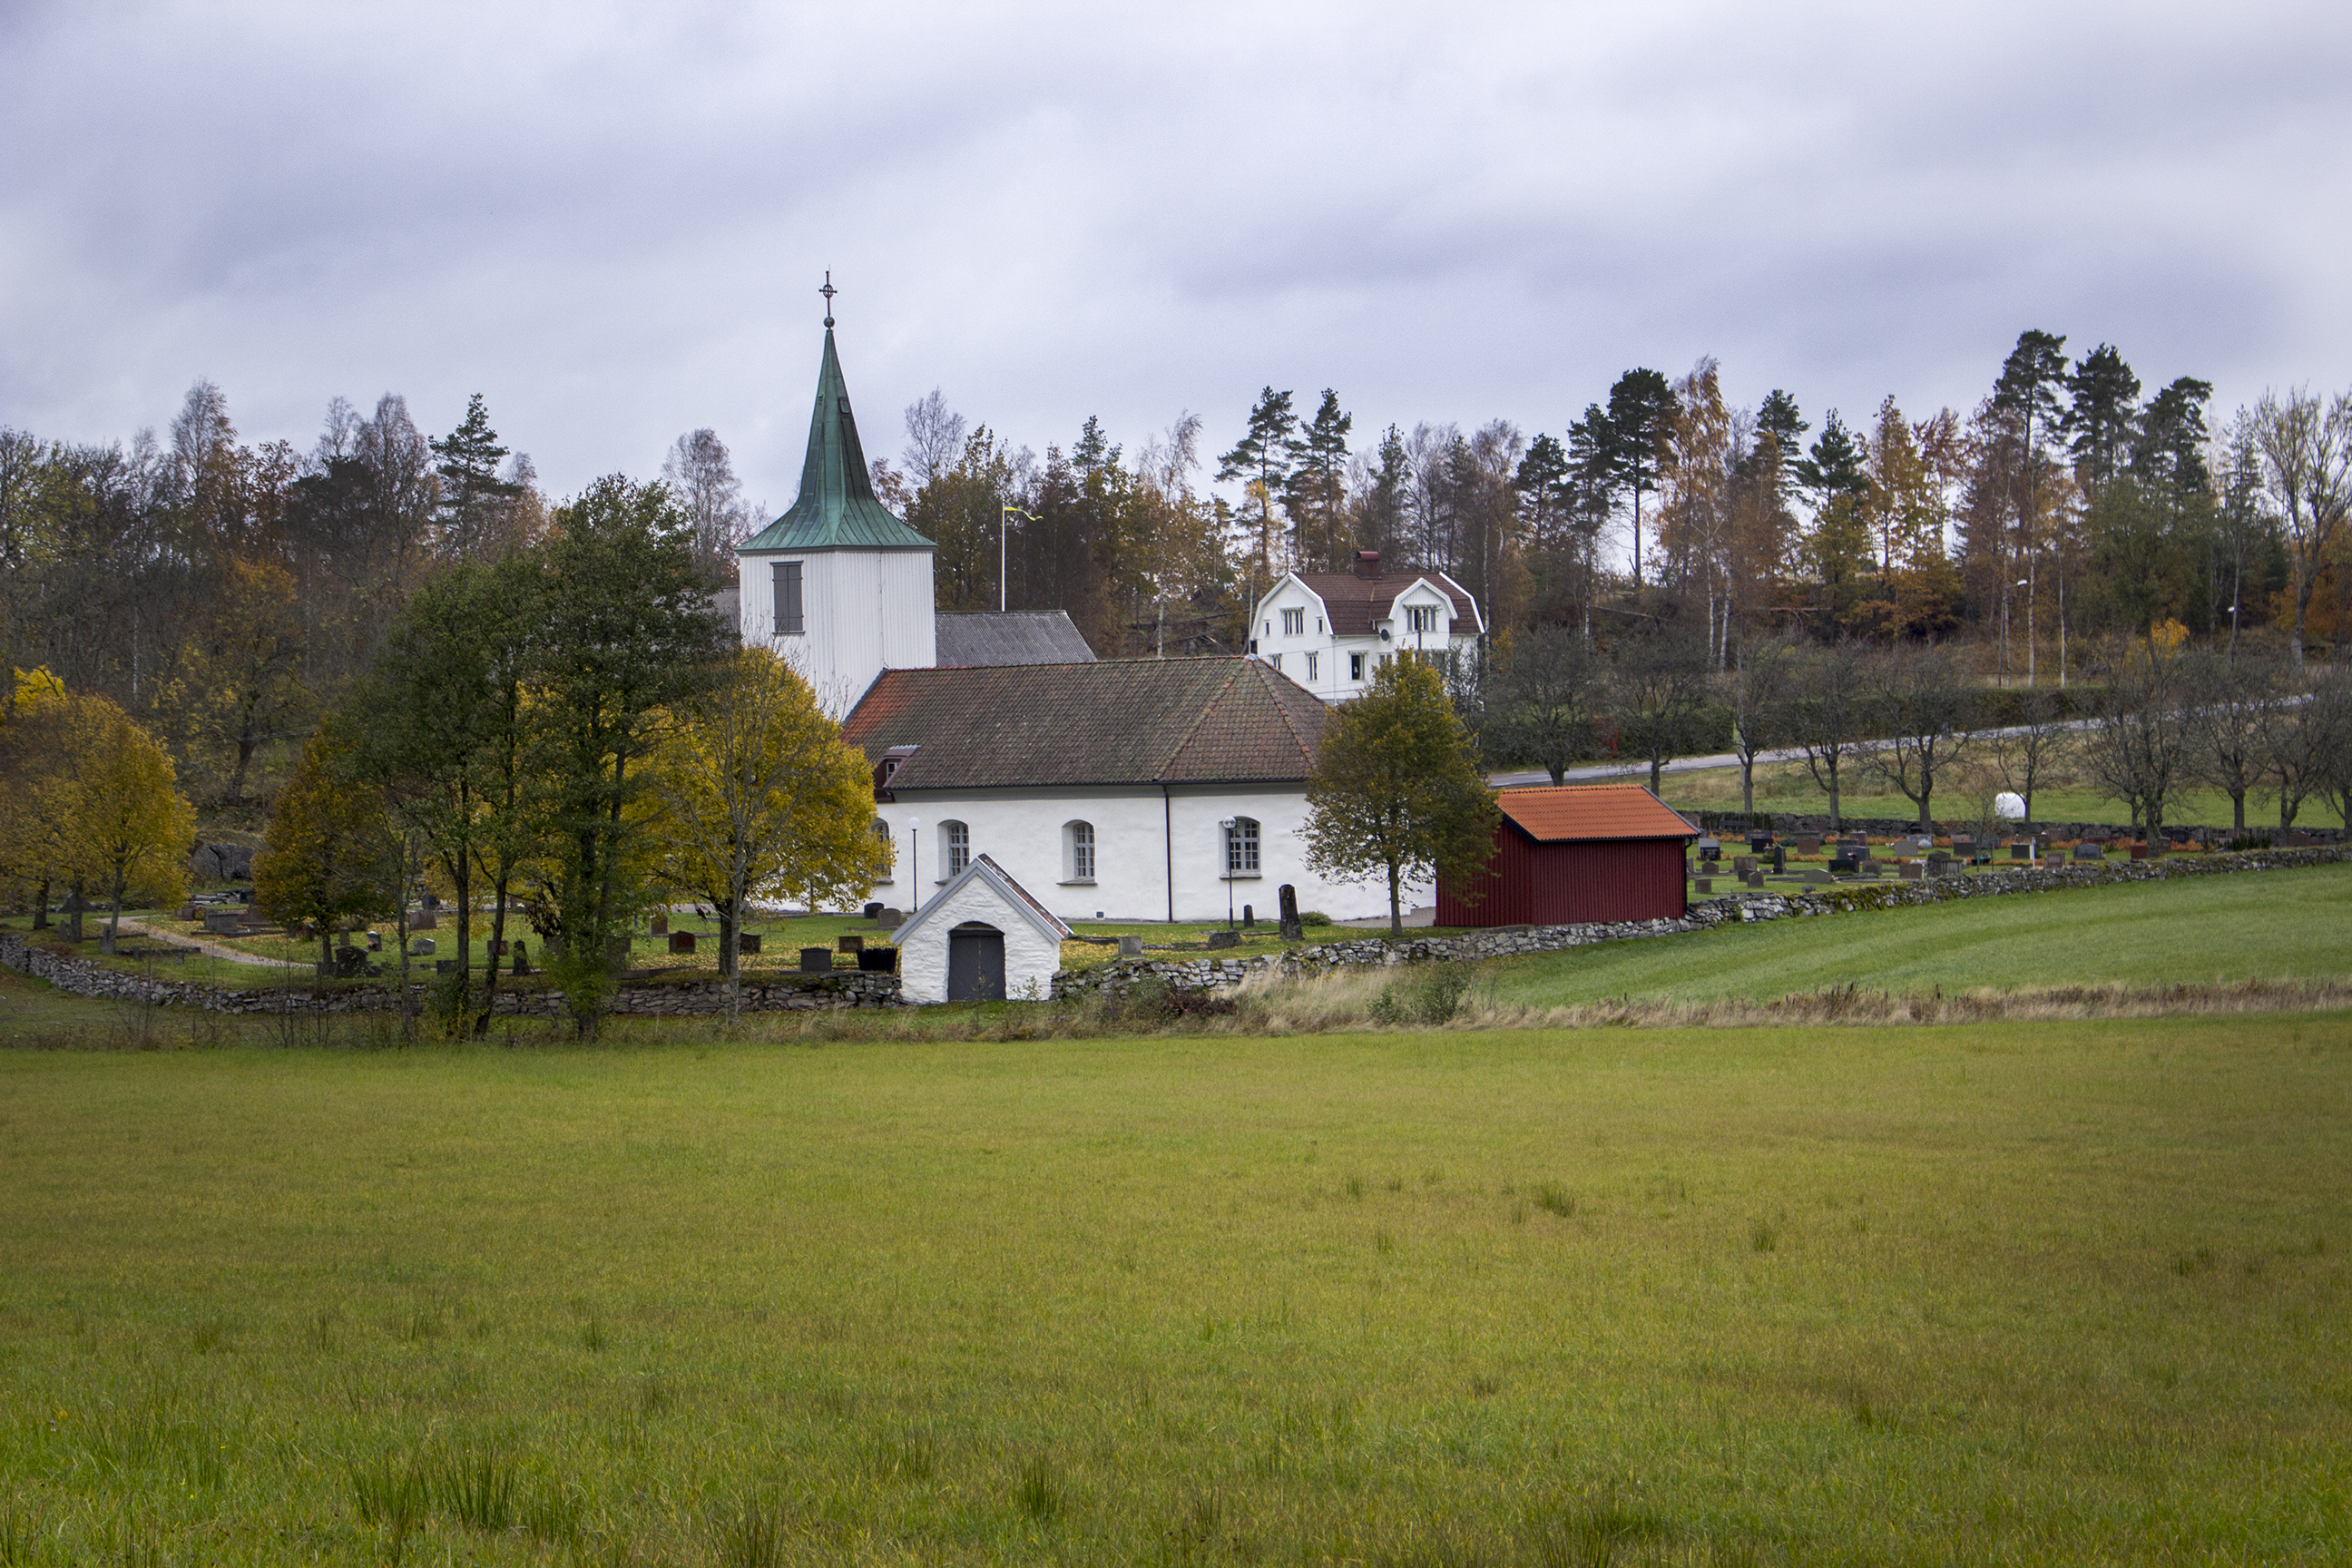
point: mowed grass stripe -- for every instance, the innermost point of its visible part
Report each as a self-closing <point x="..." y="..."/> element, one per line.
<point x="2271" y="925"/>
<point x="2071" y="1291"/>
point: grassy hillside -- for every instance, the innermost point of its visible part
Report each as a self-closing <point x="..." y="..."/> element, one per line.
<point x="2068" y="1292"/>
<point x="2269" y="925"/>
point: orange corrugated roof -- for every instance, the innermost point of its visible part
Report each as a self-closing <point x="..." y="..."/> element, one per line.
<point x="1555" y="815"/>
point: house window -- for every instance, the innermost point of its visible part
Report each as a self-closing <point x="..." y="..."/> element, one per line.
<point x="1421" y="618"/>
<point x="1313" y="661"/>
<point x="1355" y="666"/>
<point x="1078" y="840"/>
<point x="1276" y="659"/>
<point x="1319" y="626"/>
<point x="955" y="846"/>
<point x="788" y="621"/>
<point x="1294" y="623"/>
<point x="1241" y="848"/>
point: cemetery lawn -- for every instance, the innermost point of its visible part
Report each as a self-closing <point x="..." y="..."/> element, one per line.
<point x="2071" y="1291"/>
<point x="1788" y="787"/>
<point x="2268" y="925"/>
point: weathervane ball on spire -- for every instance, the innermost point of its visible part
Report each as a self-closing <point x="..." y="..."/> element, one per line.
<point x="828" y="291"/>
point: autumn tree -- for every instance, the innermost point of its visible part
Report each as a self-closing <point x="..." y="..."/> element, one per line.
<point x="1396" y="791"/>
<point x="2305" y="447"/>
<point x="758" y="795"/>
<point x="330" y="852"/>
<point x="122" y="823"/>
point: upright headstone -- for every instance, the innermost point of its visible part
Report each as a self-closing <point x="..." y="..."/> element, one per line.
<point x="1756" y="880"/>
<point x="1249" y="918"/>
<point x="1130" y="947"/>
<point x="681" y="941"/>
<point x="1291" y="929"/>
<point x="420" y="947"/>
<point x="521" y="959"/>
<point x="424" y="920"/>
<point x="851" y="943"/>
<point x="747" y="943"/>
<point x="1780" y="859"/>
<point x="658" y="923"/>
<point x="816" y="961"/>
<point x="890" y="920"/>
<point x="1224" y="937"/>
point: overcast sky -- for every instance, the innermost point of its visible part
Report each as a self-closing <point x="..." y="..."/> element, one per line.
<point x="612" y="220"/>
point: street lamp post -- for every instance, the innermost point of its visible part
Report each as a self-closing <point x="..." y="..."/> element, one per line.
<point x="1228" y="824"/>
<point x="914" y="864"/>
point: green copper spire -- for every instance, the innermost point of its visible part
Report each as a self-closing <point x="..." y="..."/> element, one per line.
<point x="837" y="509"/>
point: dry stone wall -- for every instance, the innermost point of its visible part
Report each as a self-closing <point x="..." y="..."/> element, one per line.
<point x="778" y="994"/>
<point x="1122" y="976"/>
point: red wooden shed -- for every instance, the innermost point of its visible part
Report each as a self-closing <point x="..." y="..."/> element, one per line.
<point x="1577" y="852"/>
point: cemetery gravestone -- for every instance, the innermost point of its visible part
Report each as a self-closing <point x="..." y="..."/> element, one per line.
<point x="1707" y="884"/>
<point x="2086" y="850"/>
<point x="657" y="924"/>
<point x="890" y="920"/>
<point x="747" y="943"/>
<point x="1225" y="939"/>
<point x="879" y="960"/>
<point x="1741" y="865"/>
<point x="521" y="960"/>
<point x="1756" y="880"/>
<point x="1809" y="845"/>
<point x="1780" y="861"/>
<point x="420" y="947"/>
<point x="816" y="961"/>
<point x="681" y="941"/>
<point x="424" y="920"/>
<point x="1291" y="929"/>
<point x="1913" y="871"/>
<point x="852" y="943"/>
<point x="873" y="911"/>
<point x="1130" y="947"/>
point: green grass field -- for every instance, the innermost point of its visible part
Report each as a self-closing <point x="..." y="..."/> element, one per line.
<point x="1788" y="787"/>
<point x="2270" y="925"/>
<point x="2060" y="1292"/>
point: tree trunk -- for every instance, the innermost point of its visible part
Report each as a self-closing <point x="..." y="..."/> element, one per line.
<point x="1396" y="895"/>
<point x="41" y="906"/>
<point x="730" y="965"/>
<point x="2237" y="810"/>
<point x="73" y="911"/>
<point x="114" y="917"/>
<point x="490" y="968"/>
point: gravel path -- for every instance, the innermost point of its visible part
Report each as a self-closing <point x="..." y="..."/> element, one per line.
<point x="209" y="949"/>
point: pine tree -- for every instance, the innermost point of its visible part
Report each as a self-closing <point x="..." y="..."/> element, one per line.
<point x="1317" y="493"/>
<point x="1261" y="462"/>
<point x="1640" y="412"/>
<point x="474" y="500"/>
<point x="2104" y="407"/>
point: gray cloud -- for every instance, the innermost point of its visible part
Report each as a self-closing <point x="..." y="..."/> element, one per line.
<point x="610" y="223"/>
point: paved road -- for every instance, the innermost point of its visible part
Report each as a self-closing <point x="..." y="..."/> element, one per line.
<point x="1595" y="771"/>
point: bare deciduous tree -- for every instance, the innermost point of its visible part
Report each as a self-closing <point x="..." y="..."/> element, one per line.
<point x="1828" y="712"/>
<point x="1540" y="705"/>
<point x="2306" y="456"/>
<point x="934" y="437"/>
<point x="2137" y="748"/>
<point x="700" y="474"/>
<point x="1930" y="709"/>
<point x="2025" y="753"/>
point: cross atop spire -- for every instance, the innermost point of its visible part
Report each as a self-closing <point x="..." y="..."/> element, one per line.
<point x="828" y="291"/>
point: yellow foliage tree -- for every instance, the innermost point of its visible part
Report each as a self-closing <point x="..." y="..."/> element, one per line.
<point x="31" y="760"/>
<point x="759" y="795"/>
<point x="120" y="821"/>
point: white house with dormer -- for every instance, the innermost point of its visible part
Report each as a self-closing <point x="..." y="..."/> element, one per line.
<point x="1331" y="631"/>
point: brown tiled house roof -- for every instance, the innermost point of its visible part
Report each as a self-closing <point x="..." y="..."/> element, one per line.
<point x="1562" y="814"/>
<point x="1357" y="603"/>
<point x="1119" y="722"/>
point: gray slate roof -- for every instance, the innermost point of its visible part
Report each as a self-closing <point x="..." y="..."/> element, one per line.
<point x="1019" y="636"/>
<point x="1225" y="720"/>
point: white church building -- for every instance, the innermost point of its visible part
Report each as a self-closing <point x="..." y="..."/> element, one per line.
<point x="1119" y="789"/>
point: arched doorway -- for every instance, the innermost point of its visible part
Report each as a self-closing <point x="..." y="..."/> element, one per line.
<point x="975" y="962"/>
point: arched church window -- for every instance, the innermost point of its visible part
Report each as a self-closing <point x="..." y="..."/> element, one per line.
<point x="955" y="846"/>
<point x="1078" y="852"/>
<point x="1241" y="848"/>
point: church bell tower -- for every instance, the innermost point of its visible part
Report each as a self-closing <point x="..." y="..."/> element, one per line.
<point x="838" y="586"/>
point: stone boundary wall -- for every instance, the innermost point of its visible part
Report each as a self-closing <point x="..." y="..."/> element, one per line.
<point x="1733" y="824"/>
<point x="1122" y="976"/>
<point x="779" y="993"/>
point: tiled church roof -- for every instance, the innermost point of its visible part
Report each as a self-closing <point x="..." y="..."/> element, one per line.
<point x="1119" y="722"/>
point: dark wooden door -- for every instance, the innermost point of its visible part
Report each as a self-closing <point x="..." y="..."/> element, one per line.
<point x="975" y="964"/>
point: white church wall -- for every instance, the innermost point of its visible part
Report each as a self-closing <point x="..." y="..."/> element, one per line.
<point x="863" y="611"/>
<point x="1031" y="957"/>
<point x="1023" y="831"/>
